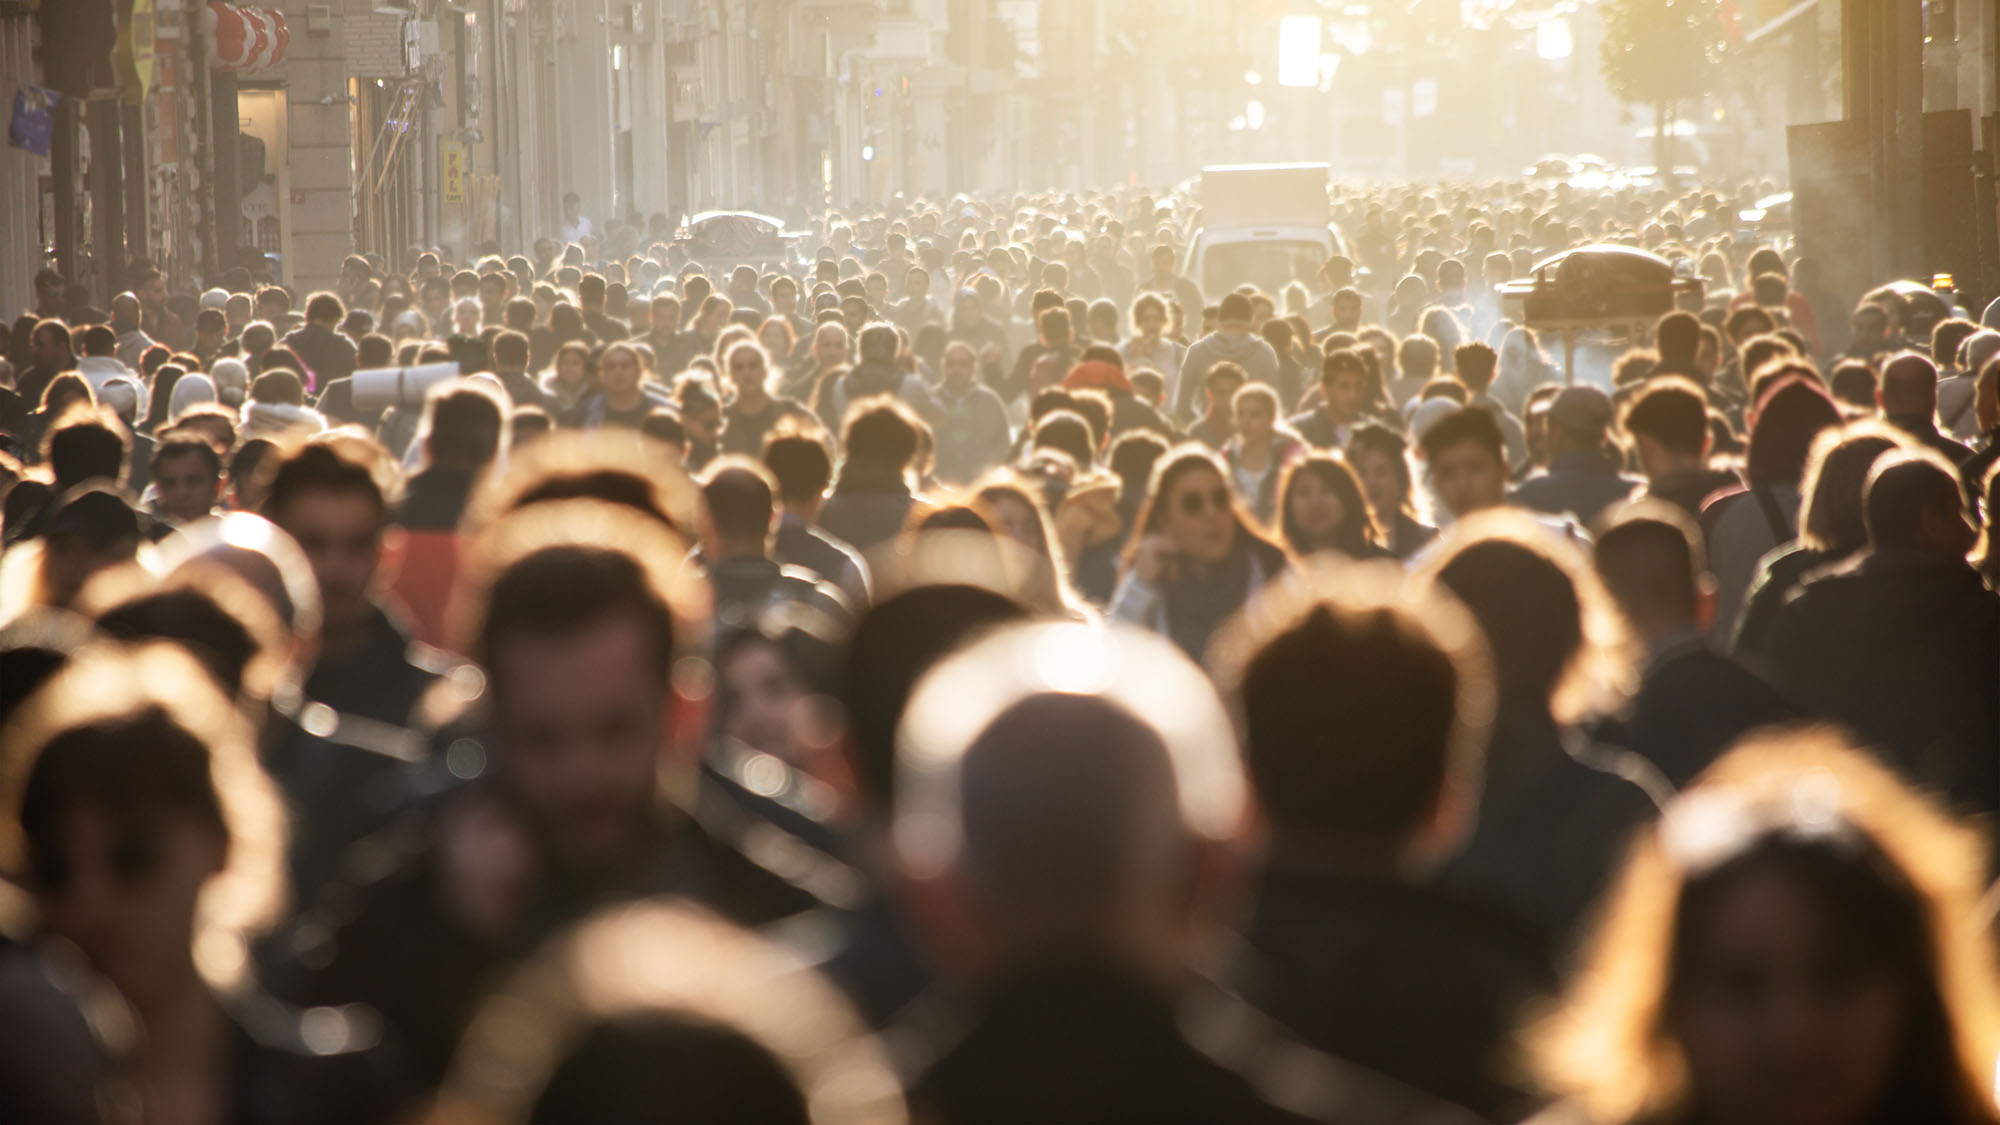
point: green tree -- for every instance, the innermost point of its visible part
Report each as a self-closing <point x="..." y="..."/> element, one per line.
<point x="1661" y="53"/>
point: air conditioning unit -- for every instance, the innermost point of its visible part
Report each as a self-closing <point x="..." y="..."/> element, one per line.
<point x="395" y="7"/>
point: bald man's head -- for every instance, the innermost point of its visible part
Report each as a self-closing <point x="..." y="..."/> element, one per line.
<point x="1909" y="386"/>
<point x="1070" y="812"/>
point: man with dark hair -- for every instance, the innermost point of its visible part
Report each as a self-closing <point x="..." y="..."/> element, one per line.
<point x="1902" y="643"/>
<point x="1677" y="338"/>
<point x="799" y="462"/>
<point x="87" y="443"/>
<point x="1343" y="379"/>
<point x="99" y="362"/>
<point x="974" y="433"/>
<point x="318" y="343"/>
<point x="1417" y="362"/>
<point x="132" y="339"/>
<point x="1364" y="717"/>
<point x="590" y="294"/>
<point x="1693" y="702"/>
<point x="1581" y="479"/>
<point x="187" y="479"/>
<point x="878" y="372"/>
<point x="578" y="614"/>
<point x="1668" y="424"/>
<point x="1053" y="349"/>
<point x="1231" y="342"/>
<point x="328" y="495"/>
<point x="51" y="303"/>
<point x="274" y="306"/>
<point x="1909" y="403"/>
<point x="50" y="353"/>
<point x="1168" y="282"/>
<point x="1466" y="460"/>
<point x="510" y="365"/>
<point x="1476" y="363"/>
<point x="159" y="321"/>
<point x="740" y="497"/>
<point x="872" y="497"/>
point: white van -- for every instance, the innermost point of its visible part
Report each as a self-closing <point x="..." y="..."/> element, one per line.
<point x="1264" y="224"/>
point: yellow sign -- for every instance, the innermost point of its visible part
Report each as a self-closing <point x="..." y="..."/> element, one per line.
<point x="452" y="151"/>
<point x="135" y="50"/>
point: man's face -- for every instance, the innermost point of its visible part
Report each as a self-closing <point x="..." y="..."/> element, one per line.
<point x="829" y="346"/>
<point x="1343" y="395"/>
<point x="48" y="294"/>
<point x="211" y="336"/>
<point x="1347" y="311"/>
<point x="187" y="489"/>
<point x="784" y="298"/>
<point x="48" y="347"/>
<point x="1163" y="263"/>
<point x="917" y="285"/>
<point x="153" y="294"/>
<point x="341" y="535"/>
<point x="959" y="366"/>
<point x="492" y="290"/>
<point x="582" y="725"/>
<point x="748" y="371"/>
<point x="666" y="318"/>
<point x="1468" y="478"/>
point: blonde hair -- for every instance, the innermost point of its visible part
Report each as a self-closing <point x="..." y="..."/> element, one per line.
<point x="1607" y="1047"/>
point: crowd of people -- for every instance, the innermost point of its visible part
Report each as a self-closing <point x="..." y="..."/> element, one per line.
<point x="959" y="670"/>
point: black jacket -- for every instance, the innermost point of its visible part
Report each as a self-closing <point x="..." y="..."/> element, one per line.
<point x="390" y="940"/>
<point x="1552" y="827"/>
<point x="1087" y="1042"/>
<point x="1905" y="649"/>
<point x="1404" y="978"/>
<point x="1691" y="705"/>
<point x="330" y="355"/>
<point x="868" y="507"/>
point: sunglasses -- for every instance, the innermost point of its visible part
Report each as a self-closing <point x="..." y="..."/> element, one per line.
<point x="1193" y="503"/>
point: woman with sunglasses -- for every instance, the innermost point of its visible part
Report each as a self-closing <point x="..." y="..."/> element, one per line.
<point x="133" y="808"/>
<point x="1195" y="557"/>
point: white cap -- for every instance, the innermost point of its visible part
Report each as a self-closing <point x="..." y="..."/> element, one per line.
<point x="215" y="298"/>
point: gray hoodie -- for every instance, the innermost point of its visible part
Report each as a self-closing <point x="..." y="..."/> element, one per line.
<point x="1240" y="346"/>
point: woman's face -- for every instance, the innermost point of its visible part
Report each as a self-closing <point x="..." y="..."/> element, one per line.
<point x="1019" y="521"/>
<point x="619" y="371"/>
<point x="773" y="339"/>
<point x="1200" y="518"/>
<point x="1777" y="1025"/>
<point x="1381" y="482"/>
<point x="1315" y="508"/>
<point x="570" y="367"/>
<point x="126" y="892"/>
<point x="466" y="317"/>
<point x="1152" y="321"/>
<point x="764" y="695"/>
<point x="1255" y="419"/>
